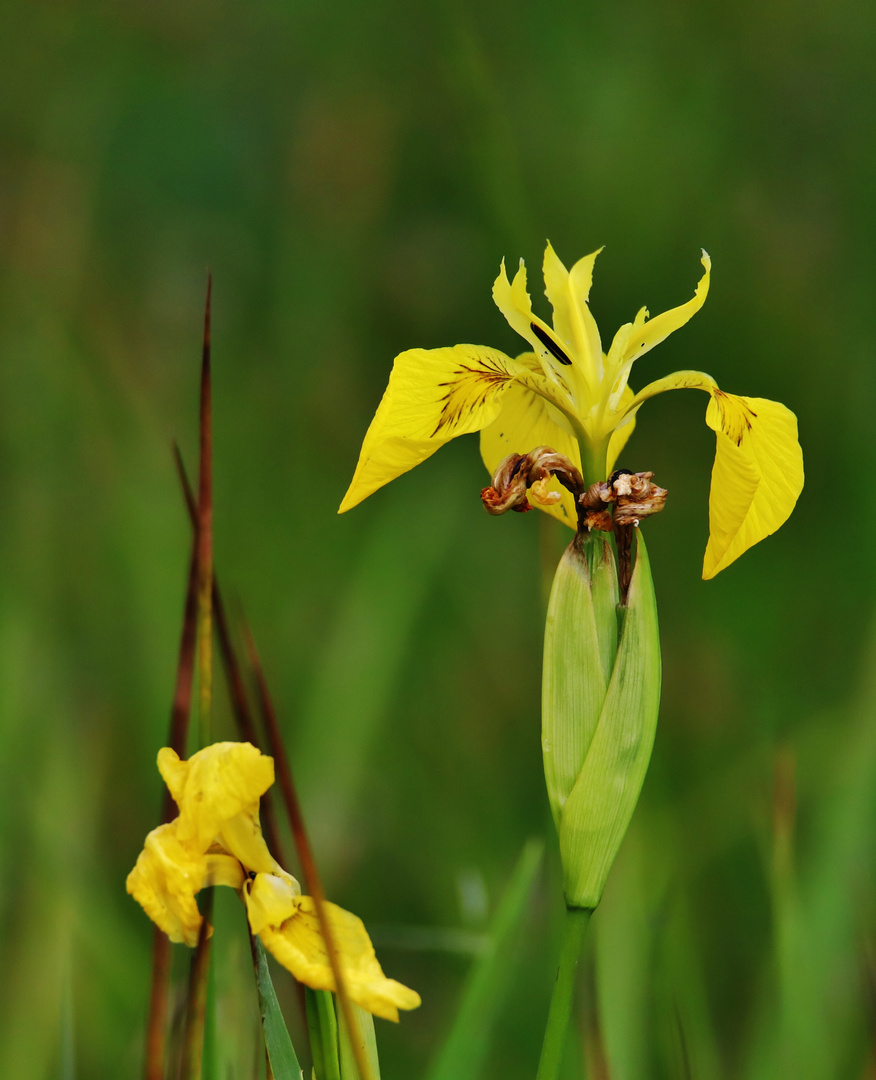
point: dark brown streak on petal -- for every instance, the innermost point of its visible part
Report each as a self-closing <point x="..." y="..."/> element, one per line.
<point x="549" y="343"/>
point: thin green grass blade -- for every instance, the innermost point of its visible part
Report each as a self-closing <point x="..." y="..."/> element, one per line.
<point x="284" y="1063"/>
<point x="466" y="1047"/>
<point x="322" y="1024"/>
<point x="349" y="1069"/>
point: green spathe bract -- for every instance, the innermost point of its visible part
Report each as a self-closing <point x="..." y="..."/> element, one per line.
<point x="599" y="709"/>
<point x="580" y="643"/>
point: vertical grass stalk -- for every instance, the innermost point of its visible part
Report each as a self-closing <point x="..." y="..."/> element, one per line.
<point x="575" y="927"/>
<point x="205" y="539"/>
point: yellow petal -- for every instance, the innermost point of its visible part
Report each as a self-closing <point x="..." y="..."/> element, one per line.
<point x="574" y="324"/>
<point x="223" y="869"/>
<point x="164" y="881"/>
<point x="433" y="395"/>
<point x="525" y="422"/>
<point x="297" y="943"/>
<point x="271" y="899"/>
<point x="635" y="339"/>
<point x="215" y="785"/>
<point x="242" y="836"/>
<point x="757" y="476"/>
<point x="621" y="433"/>
<point x="512" y="299"/>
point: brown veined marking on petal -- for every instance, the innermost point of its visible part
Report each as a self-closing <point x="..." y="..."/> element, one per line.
<point x="460" y="398"/>
<point x="738" y="422"/>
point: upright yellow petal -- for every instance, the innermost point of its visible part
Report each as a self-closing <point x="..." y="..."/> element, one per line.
<point x="568" y="293"/>
<point x="620" y="435"/>
<point x="433" y="396"/>
<point x="757" y="476"/>
<point x="295" y="939"/>
<point x="513" y="300"/>
<point x="164" y="882"/>
<point x="634" y="340"/>
<point x="525" y="422"/>
<point x="214" y="786"/>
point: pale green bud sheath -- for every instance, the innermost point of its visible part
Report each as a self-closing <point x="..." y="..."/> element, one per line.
<point x="596" y="813"/>
<point x="580" y="645"/>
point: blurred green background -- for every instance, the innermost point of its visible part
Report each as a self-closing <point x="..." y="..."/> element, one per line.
<point x="353" y="173"/>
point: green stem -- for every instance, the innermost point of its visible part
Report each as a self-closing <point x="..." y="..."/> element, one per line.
<point x="577" y="920"/>
<point x="196" y="1009"/>
<point x="205" y="540"/>
<point x="593" y="461"/>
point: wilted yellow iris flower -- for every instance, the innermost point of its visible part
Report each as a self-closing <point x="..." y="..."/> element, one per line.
<point x="217" y="840"/>
<point x="570" y="395"/>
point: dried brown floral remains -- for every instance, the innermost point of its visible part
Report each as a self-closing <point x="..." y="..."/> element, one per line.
<point x="615" y="505"/>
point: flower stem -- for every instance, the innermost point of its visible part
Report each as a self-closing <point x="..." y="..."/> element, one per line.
<point x="593" y="461"/>
<point x="196" y="1011"/>
<point x="576" y="923"/>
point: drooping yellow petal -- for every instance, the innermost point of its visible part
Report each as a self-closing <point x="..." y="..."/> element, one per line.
<point x="433" y="395"/>
<point x="289" y="928"/>
<point x="164" y="882"/>
<point x="214" y="786"/>
<point x="757" y="476"/>
<point x="526" y="421"/>
<point x="635" y="339"/>
<point x="568" y="293"/>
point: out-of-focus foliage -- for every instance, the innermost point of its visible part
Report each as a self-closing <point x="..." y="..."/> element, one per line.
<point x="352" y="173"/>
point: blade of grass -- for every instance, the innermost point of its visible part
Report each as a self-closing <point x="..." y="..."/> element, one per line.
<point x="465" y="1048"/>
<point x="322" y="1024"/>
<point x="305" y="852"/>
<point x="196" y="1012"/>
<point x="368" y="1041"/>
<point x="281" y="1053"/>
<point x="177" y="738"/>
<point x="236" y="688"/>
<point x="196" y="1005"/>
<point x="205" y="537"/>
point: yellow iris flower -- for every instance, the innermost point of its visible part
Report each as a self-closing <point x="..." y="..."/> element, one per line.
<point x="570" y="395"/>
<point x="217" y="840"/>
